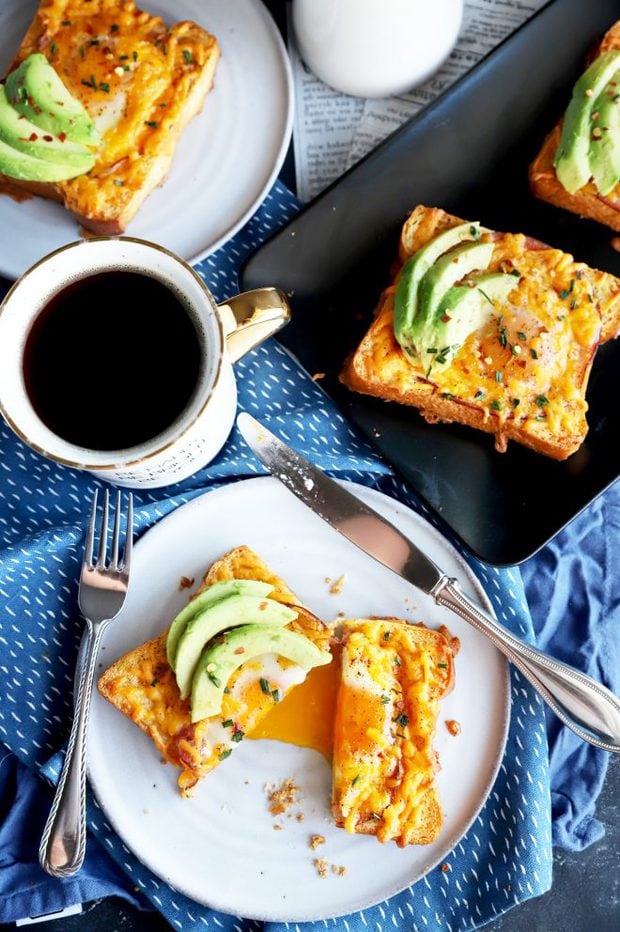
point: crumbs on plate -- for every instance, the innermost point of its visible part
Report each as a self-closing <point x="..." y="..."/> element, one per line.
<point x="282" y="797"/>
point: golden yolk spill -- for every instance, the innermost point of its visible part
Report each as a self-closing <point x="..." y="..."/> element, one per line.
<point x="306" y="716"/>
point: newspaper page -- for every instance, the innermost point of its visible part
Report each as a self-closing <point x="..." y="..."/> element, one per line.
<point x="333" y="131"/>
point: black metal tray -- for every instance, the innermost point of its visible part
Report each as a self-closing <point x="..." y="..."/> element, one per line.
<point x="469" y="153"/>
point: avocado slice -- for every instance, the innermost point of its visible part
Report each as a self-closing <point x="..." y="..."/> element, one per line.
<point x="406" y="297"/>
<point x="36" y="92"/>
<point x="463" y="309"/>
<point x="24" y="167"/>
<point x="445" y="272"/>
<point x="227" y="613"/>
<point x="572" y="164"/>
<point x="604" y="151"/>
<point x="21" y="134"/>
<point x="203" y="600"/>
<point x="220" y="660"/>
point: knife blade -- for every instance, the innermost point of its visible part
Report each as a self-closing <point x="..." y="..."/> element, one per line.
<point x="588" y="708"/>
<point x="346" y="513"/>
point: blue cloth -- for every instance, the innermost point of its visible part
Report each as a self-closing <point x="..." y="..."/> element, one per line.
<point x="506" y="856"/>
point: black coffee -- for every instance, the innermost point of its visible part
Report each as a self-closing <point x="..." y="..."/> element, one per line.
<point x="112" y="360"/>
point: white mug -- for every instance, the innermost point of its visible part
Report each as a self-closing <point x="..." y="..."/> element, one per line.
<point x="225" y="333"/>
<point x="375" y="48"/>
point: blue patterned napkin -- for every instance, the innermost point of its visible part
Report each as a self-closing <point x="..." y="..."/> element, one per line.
<point x="506" y="856"/>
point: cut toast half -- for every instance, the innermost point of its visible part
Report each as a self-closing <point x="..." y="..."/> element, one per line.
<point x="524" y="374"/>
<point x="139" y="80"/>
<point x="586" y="202"/>
<point x="143" y="687"/>
<point x="392" y="680"/>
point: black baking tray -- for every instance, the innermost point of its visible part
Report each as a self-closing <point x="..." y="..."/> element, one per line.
<point x="469" y="153"/>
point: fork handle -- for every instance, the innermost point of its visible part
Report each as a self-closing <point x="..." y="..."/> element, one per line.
<point x="585" y="706"/>
<point x="63" y="843"/>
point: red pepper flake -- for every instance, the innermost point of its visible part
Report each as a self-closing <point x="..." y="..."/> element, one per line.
<point x="240" y="650"/>
<point x="446" y="318"/>
<point x="33" y="137"/>
<point x="62" y="137"/>
<point x="48" y="138"/>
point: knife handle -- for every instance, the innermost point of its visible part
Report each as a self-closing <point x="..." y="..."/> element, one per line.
<point x="585" y="706"/>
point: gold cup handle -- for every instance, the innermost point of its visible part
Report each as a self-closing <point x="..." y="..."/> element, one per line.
<point x="250" y="318"/>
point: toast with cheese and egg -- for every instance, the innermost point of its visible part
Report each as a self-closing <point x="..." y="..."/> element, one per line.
<point x="139" y="80"/>
<point x="142" y="685"/>
<point x="393" y="678"/>
<point x="587" y="202"/>
<point x="524" y="374"/>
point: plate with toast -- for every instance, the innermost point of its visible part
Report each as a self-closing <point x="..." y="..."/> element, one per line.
<point x="301" y="712"/>
<point x="118" y="117"/>
<point x="468" y="274"/>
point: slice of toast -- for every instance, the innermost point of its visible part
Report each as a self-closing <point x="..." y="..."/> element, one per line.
<point x="143" y="687"/>
<point x="139" y="80"/>
<point x="393" y="678"/>
<point x="523" y="376"/>
<point x="586" y="202"/>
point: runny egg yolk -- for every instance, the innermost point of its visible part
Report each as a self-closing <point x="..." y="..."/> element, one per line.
<point x="306" y="716"/>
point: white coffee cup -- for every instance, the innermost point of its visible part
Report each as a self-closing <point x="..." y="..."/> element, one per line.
<point x="375" y="48"/>
<point x="225" y="333"/>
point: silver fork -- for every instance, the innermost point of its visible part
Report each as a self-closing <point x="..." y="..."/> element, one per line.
<point x="102" y="592"/>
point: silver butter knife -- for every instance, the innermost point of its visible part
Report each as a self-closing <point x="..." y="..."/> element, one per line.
<point x="587" y="707"/>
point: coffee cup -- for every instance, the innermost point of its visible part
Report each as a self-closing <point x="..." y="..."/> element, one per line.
<point x="221" y="334"/>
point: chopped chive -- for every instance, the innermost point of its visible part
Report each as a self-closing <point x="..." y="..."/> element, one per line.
<point x="567" y="291"/>
<point x="386" y="635"/>
<point x="66" y="22"/>
<point x="402" y="719"/>
<point x="275" y="695"/>
<point x="264" y="685"/>
<point x="225" y="753"/>
<point x="123" y="57"/>
<point x="398" y="661"/>
<point x="376" y="816"/>
<point x="216" y="682"/>
<point x="228" y="723"/>
<point x="513" y="349"/>
<point x="114" y="28"/>
<point x="226" y="690"/>
<point x="479" y="394"/>
<point x="475" y="231"/>
<point x="533" y="353"/>
<point x="499" y="376"/>
<point x="104" y="86"/>
<point x="155" y="682"/>
<point x="516" y="402"/>
<point x="432" y="349"/>
<point x="516" y="273"/>
<point x="237" y="736"/>
<point x="187" y="55"/>
<point x="496" y="405"/>
<point x="541" y="400"/>
<point x="135" y="56"/>
<point x="573" y="304"/>
<point x="152" y="123"/>
<point x="355" y="779"/>
<point x="53" y="48"/>
<point x="94" y="42"/>
<point x="443" y="666"/>
<point x="399" y="734"/>
<point x="521" y="335"/>
<point x="485" y="295"/>
<point x="447" y="395"/>
<point x="385" y="699"/>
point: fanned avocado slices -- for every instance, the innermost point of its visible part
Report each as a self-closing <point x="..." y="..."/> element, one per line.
<point x="24" y="167"/>
<point x="572" y="160"/>
<point x="230" y="612"/>
<point x="220" y="660"/>
<point x="604" y="150"/>
<point x="19" y="133"/>
<point x="35" y="90"/>
<point x="406" y="297"/>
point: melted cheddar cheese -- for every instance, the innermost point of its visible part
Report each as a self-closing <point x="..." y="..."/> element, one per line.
<point x="393" y="676"/>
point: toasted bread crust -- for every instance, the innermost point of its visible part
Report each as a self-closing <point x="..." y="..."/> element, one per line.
<point x="155" y="103"/>
<point x="586" y="202"/>
<point x="378" y="366"/>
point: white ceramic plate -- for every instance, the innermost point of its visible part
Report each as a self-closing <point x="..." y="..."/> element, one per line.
<point x="219" y="847"/>
<point x="226" y="161"/>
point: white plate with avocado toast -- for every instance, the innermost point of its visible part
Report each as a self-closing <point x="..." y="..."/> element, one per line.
<point x="213" y="186"/>
<point x="221" y="847"/>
